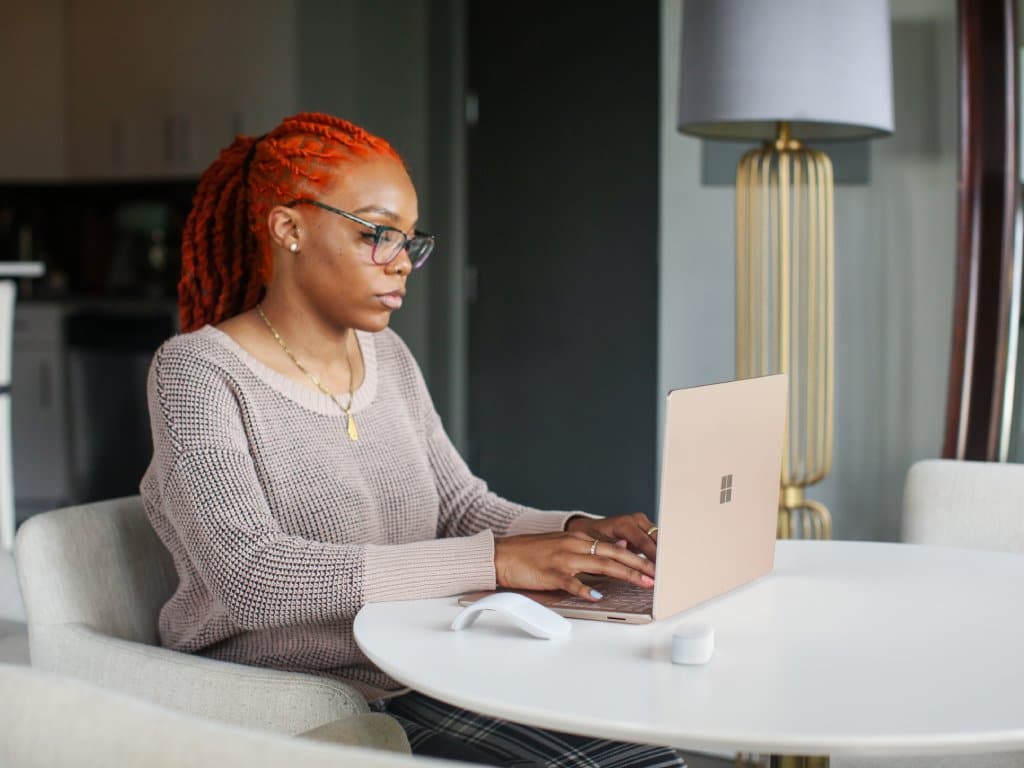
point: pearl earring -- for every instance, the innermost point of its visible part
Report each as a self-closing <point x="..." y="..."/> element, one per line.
<point x="294" y="247"/>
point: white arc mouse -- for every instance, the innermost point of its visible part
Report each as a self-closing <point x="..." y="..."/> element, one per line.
<point x="529" y="615"/>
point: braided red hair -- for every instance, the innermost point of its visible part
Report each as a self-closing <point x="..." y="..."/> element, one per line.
<point x="225" y="248"/>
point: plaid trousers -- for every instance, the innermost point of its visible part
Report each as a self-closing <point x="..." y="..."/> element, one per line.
<point x="437" y="729"/>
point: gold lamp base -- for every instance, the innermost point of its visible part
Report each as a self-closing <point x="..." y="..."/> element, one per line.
<point x="799" y="762"/>
<point x="802" y="518"/>
<point x="784" y="308"/>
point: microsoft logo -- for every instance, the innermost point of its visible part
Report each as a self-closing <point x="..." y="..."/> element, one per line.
<point x="725" y="496"/>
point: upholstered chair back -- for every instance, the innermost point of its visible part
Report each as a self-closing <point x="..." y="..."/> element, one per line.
<point x="979" y="505"/>
<point x="100" y="565"/>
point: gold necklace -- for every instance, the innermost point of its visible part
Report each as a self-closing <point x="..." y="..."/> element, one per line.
<point x="353" y="433"/>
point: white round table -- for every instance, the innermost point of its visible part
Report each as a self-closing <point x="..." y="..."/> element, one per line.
<point x="845" y="648"/>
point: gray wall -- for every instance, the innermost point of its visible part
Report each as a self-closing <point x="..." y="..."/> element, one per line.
<point x="365" y="60"/>
<point x="396" y="67"/>
<point x="895" y="250"/>
<point x="563" y="236"/>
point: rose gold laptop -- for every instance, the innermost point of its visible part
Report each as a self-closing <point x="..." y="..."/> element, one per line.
<point x="720" y="471"/>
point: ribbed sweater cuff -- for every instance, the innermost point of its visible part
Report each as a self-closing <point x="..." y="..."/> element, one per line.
<point x="434" y="568"/>
<point x="539" y="521"/>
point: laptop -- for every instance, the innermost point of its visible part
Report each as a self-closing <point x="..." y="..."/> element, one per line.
<point x="718" y="511"/>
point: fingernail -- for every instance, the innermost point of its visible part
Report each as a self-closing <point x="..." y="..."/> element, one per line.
<point x="595" y="594"/>
<point x="622" y="543"/>
<point x="647" y="581"/>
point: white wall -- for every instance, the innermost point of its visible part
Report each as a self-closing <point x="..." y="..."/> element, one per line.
<point x="895" y="251"/>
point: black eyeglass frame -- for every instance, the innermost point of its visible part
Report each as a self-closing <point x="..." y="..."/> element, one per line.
<point x="378" y="233"/>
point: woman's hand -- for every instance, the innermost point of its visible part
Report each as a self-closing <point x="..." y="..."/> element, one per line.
<point x="633" y="528"/>
<point x="552" y="561"/>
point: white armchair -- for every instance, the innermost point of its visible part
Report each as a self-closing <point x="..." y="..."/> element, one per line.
<point x="94" y="578"/>
<point x="56" y="722"/>
<point x="973" y="504"/>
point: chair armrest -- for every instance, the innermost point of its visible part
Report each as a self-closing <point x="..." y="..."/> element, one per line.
<point x="265" y="699"/>
<point x="48" y="721"/>
<point x="375" y="730"/>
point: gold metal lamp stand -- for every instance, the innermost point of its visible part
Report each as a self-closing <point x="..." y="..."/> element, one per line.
<point x="784" y="308"/>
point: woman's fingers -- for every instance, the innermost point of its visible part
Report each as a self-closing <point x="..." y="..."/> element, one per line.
<point x="639" y="541"/>
<point x="632" y="528"/>
<point x="607" y="552"/>
<point x="574" y="586"/>
<point x="644" y="523"/>
<point x="552" y="561"/>
<point x="605" y="566"/>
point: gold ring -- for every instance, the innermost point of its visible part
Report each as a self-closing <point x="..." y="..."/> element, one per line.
<point x="652" y="529"/>
<point x="593" y="547"/>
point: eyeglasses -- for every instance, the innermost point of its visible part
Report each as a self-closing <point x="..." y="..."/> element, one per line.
<point x="388" y="242"/>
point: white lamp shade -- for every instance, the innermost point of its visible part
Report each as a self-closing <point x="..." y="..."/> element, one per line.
<point x="825" y="66"/>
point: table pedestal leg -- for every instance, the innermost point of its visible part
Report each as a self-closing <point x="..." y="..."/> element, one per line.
<point x="795" y="761"/>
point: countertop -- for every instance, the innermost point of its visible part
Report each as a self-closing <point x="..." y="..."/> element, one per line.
<point x="22" y="269"/>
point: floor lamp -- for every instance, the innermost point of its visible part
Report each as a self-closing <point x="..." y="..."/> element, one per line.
<point x="785" y="72"/>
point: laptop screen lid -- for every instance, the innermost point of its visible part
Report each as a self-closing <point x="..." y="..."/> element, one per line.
<point x="720" y="470"/>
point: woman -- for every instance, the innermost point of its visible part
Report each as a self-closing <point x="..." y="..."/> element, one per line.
<point x="300" y="469"/>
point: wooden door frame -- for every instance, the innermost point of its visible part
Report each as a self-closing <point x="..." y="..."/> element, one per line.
<point x="987" y="206"/>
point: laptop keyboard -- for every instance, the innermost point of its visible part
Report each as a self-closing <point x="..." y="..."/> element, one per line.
<point x="618" y="596"/>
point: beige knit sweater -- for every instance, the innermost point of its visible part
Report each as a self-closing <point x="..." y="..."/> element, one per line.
<point x="281" y="528"/>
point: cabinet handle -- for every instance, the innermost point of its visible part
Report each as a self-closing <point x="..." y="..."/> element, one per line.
<point x="169" y="141"/>
<point x="45" y="386"/>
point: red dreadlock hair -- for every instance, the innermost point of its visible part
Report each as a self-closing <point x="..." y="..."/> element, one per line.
<point x="226" y="257"/>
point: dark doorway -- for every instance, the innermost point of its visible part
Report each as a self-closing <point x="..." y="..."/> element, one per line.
<point x="563" y="240"/>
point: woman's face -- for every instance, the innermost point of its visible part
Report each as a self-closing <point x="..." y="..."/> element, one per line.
<point x="333" y="270"/>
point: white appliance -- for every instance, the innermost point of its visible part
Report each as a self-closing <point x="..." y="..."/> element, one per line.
<point x="8" y="294"/>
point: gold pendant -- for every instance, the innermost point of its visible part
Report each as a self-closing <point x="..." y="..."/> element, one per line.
<point x="353" y="433"/>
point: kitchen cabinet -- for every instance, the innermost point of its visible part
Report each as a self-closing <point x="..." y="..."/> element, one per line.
<point x="109" y="347"/>
<point x="80" y="423"/>
<point x="121" y="90"/>
<point x="155" y="90"/>
<point x="39" y="423"/>
<point x="32" y="141"/>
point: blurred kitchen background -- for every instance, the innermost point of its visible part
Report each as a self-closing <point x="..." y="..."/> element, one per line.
<point x="113" y="110"/>
<point x="115" y="107"/>
<point x="585" y="260"/>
